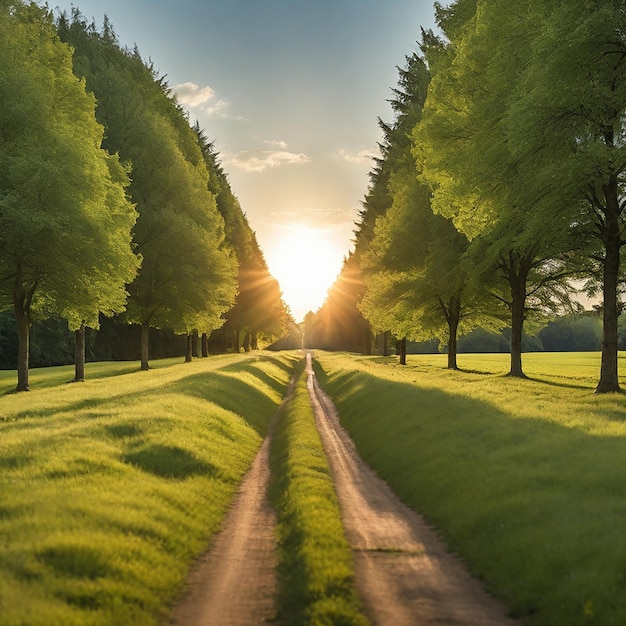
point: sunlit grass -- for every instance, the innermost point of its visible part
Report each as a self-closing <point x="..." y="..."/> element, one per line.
<point x="316" y="569"/>
<point x="523" y="478"/>
<point x="110" y="488"/>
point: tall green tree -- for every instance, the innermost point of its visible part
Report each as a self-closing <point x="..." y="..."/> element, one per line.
<point x="65" y="219"/>
<point x="187" y="277"/>
<point x="416" y="277"/>
<point x="566" y="122"/>
<point x="465" y="150"/>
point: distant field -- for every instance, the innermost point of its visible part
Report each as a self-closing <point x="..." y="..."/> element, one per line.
<point x="525" y="479"/>
<point x="110" y="488"/>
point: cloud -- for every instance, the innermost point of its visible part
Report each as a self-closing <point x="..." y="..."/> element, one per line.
<point x="265" y="159"/>
<point x="277" y="144"/>
<point x="201" y="98"/>
<point x="193" y="95"/>
<point x="360" y="157"/>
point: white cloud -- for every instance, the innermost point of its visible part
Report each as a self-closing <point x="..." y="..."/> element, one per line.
<point x="202" y="99"/>
<point x="193" y="95"/>
<point x="265" y="159"/>
<point x="359" y="157"/>
<point x="277" y="144"/>
<point x="218" y="108"/>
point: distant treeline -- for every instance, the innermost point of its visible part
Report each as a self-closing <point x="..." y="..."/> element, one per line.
<point x="52" y="342"/>
<point x="580" y="332"/>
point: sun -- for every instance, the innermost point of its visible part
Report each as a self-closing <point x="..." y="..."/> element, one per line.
<point x="305" y="262"/>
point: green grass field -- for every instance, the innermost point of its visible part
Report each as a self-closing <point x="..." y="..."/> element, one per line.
<point x="316" y="575"/>
<point x="110" y="488"/>
<point x="524" y="479"/>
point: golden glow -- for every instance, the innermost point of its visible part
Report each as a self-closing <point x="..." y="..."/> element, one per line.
<point x="305" y="262"/>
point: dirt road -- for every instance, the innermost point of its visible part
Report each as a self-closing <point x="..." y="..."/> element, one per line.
<point x="404" y="574"/>
<point x="234" y="584"/>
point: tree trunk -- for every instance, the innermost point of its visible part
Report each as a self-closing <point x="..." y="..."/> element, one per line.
<point x="236" y="342"/>
<point x="23" y="348"/>
<point x="145" y="344"/>
<point x="205" y="345"/>
<point x="189" y="348"/>
<point x="254" y="341"/>
<point x="453" y="328"/>
<point x="402" y="350"/>
<point x="79" y="355"/>
<point x="194" y="344"/>
<point x="452" y="312"/>
<point x="517" y="282"/>
<point x="609" y="381"/>
<point x="246" y="342"/>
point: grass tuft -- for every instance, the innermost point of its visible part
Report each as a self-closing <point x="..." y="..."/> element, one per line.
<point x="316" y="570"/>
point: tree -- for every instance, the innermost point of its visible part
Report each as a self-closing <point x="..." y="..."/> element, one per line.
<point x="102" y="290"/>
<point x="59" y="190"/>
<point x="574" y="84"/>
<point x="187" y="277"/>
<point x="464" y="146"/>
<point x="417" y="285"/>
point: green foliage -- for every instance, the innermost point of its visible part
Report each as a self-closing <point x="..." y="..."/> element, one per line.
<point x="316" y="569"/>
<point x="573" y="333"/>
<point x="187" y="277"/>
<point x="479" y="179"/>
<point x="66" y="221"/>
<point x="522" y="478"/>
<point x="112" y="488"/>
<point x="522" y="141"/>
<point x="258" y="308"/>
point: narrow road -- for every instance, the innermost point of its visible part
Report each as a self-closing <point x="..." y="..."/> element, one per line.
<point x="404" y="574"/>
<point x="234" y="583"/>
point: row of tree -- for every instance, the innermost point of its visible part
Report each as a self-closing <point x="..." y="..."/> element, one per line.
<point x="110" y="202"/>
<point x="500" y="181"/>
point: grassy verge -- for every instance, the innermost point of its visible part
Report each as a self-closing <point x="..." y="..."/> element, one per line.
<point x="316" y="569"/>
<point x="109" y="489"/>
<point x="523" y="478"/>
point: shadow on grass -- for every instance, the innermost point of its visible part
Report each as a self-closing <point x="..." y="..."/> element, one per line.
<point x="463" y="370"/>
<point x="500" y="489"/>
<point x="232" y="394"/>
<point x="169" y="462"/>
<point x="563" y="385"/>
<point x="219" y="386"/>
<point x="262" y="376"/>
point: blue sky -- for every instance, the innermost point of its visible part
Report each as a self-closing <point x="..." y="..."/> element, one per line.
<point x="290" y="91"/>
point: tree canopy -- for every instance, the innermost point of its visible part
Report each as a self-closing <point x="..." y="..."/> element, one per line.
<point x="65" y="236"/>
<point x="187" y="277"/>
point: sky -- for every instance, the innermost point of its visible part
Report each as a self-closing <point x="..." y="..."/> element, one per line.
<point x="290" y="92"/>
